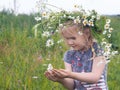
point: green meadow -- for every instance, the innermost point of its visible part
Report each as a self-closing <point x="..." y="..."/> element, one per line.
<point x="24" y="58"/>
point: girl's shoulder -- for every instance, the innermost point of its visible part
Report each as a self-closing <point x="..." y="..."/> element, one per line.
<point x="96" y="46"/>
<point x="98" y="49"/>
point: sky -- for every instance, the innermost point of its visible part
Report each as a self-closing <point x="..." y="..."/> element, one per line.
<point x="108" y="7"/>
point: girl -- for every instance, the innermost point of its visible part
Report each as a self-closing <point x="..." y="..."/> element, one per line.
<point x="85" y="65"/>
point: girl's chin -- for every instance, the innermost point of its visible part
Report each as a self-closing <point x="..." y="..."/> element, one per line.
<point x="75" y="48"/>
<point x="80" y="49"/>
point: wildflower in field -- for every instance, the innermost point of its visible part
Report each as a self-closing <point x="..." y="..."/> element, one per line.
<point x="110" y="30"/>
<point x="93" y="17"/>
<point x="49" y="42"/>
<point x="77" y="20"/>
<point x="76" y="6"/>
<point x="98" y="17"/>
<point x="45" y="15"/>
<point x="61" y="40"/>
<point x="61" y="25"/>
<point x="107" y="26"/>
<point x="64" y="15"/>
<point x="103" y="39"/>
<point x="70" y="17"/>
<point x="85" y="22"/>
<point x="108" y="45"/>
<point x="84" y="16"/>
<point x="109" y="35"/>
<point x="90" y="23"/>
<point x="106" y="53"/>
<point x="104" y="32"/>
<point x="114" y="52"/>
<point x="46" y="34"/>
<point x="56" y="30"/>
<point x="50" y="67"/>
<point x="37" y="18"/>
<point x="35" y="77"/>
<point x="44" y="64"/>
<point x="49" y="27"/>
<point x="107" y="61"/>
<point x="108" y="21"/>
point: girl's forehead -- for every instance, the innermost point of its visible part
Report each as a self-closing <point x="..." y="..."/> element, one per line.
<point x="71" y="31"/>
<point x="69" y="35"/>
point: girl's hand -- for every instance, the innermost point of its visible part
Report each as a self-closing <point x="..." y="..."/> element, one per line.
<point x="62" y="73"/>
<point x="51" y="75"/>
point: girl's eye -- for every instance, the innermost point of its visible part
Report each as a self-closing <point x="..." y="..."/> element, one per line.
<point x="73" y="38"/>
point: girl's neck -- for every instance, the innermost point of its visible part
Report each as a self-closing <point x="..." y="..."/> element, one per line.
<point x="84" y="49"/>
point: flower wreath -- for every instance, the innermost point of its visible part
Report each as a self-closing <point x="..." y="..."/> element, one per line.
<point x="99" y="25"/>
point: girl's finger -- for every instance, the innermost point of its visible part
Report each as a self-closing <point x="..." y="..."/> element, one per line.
<point x="46" y="73"/>
<point x="51" y="73"/>
<point x="58" y="71"/>
<point x="56" y="74"/>
<point x="52" y="77"/>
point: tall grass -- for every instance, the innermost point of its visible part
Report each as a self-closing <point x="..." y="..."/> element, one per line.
<point x="24" y="58"/>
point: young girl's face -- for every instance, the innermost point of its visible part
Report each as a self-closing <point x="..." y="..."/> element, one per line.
<point x="75" y="40"/>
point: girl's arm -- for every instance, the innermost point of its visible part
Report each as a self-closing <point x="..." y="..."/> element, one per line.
<point x="68" y="82"/>
<point x="94" y="76"/>
<point x="91" y="77"/>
